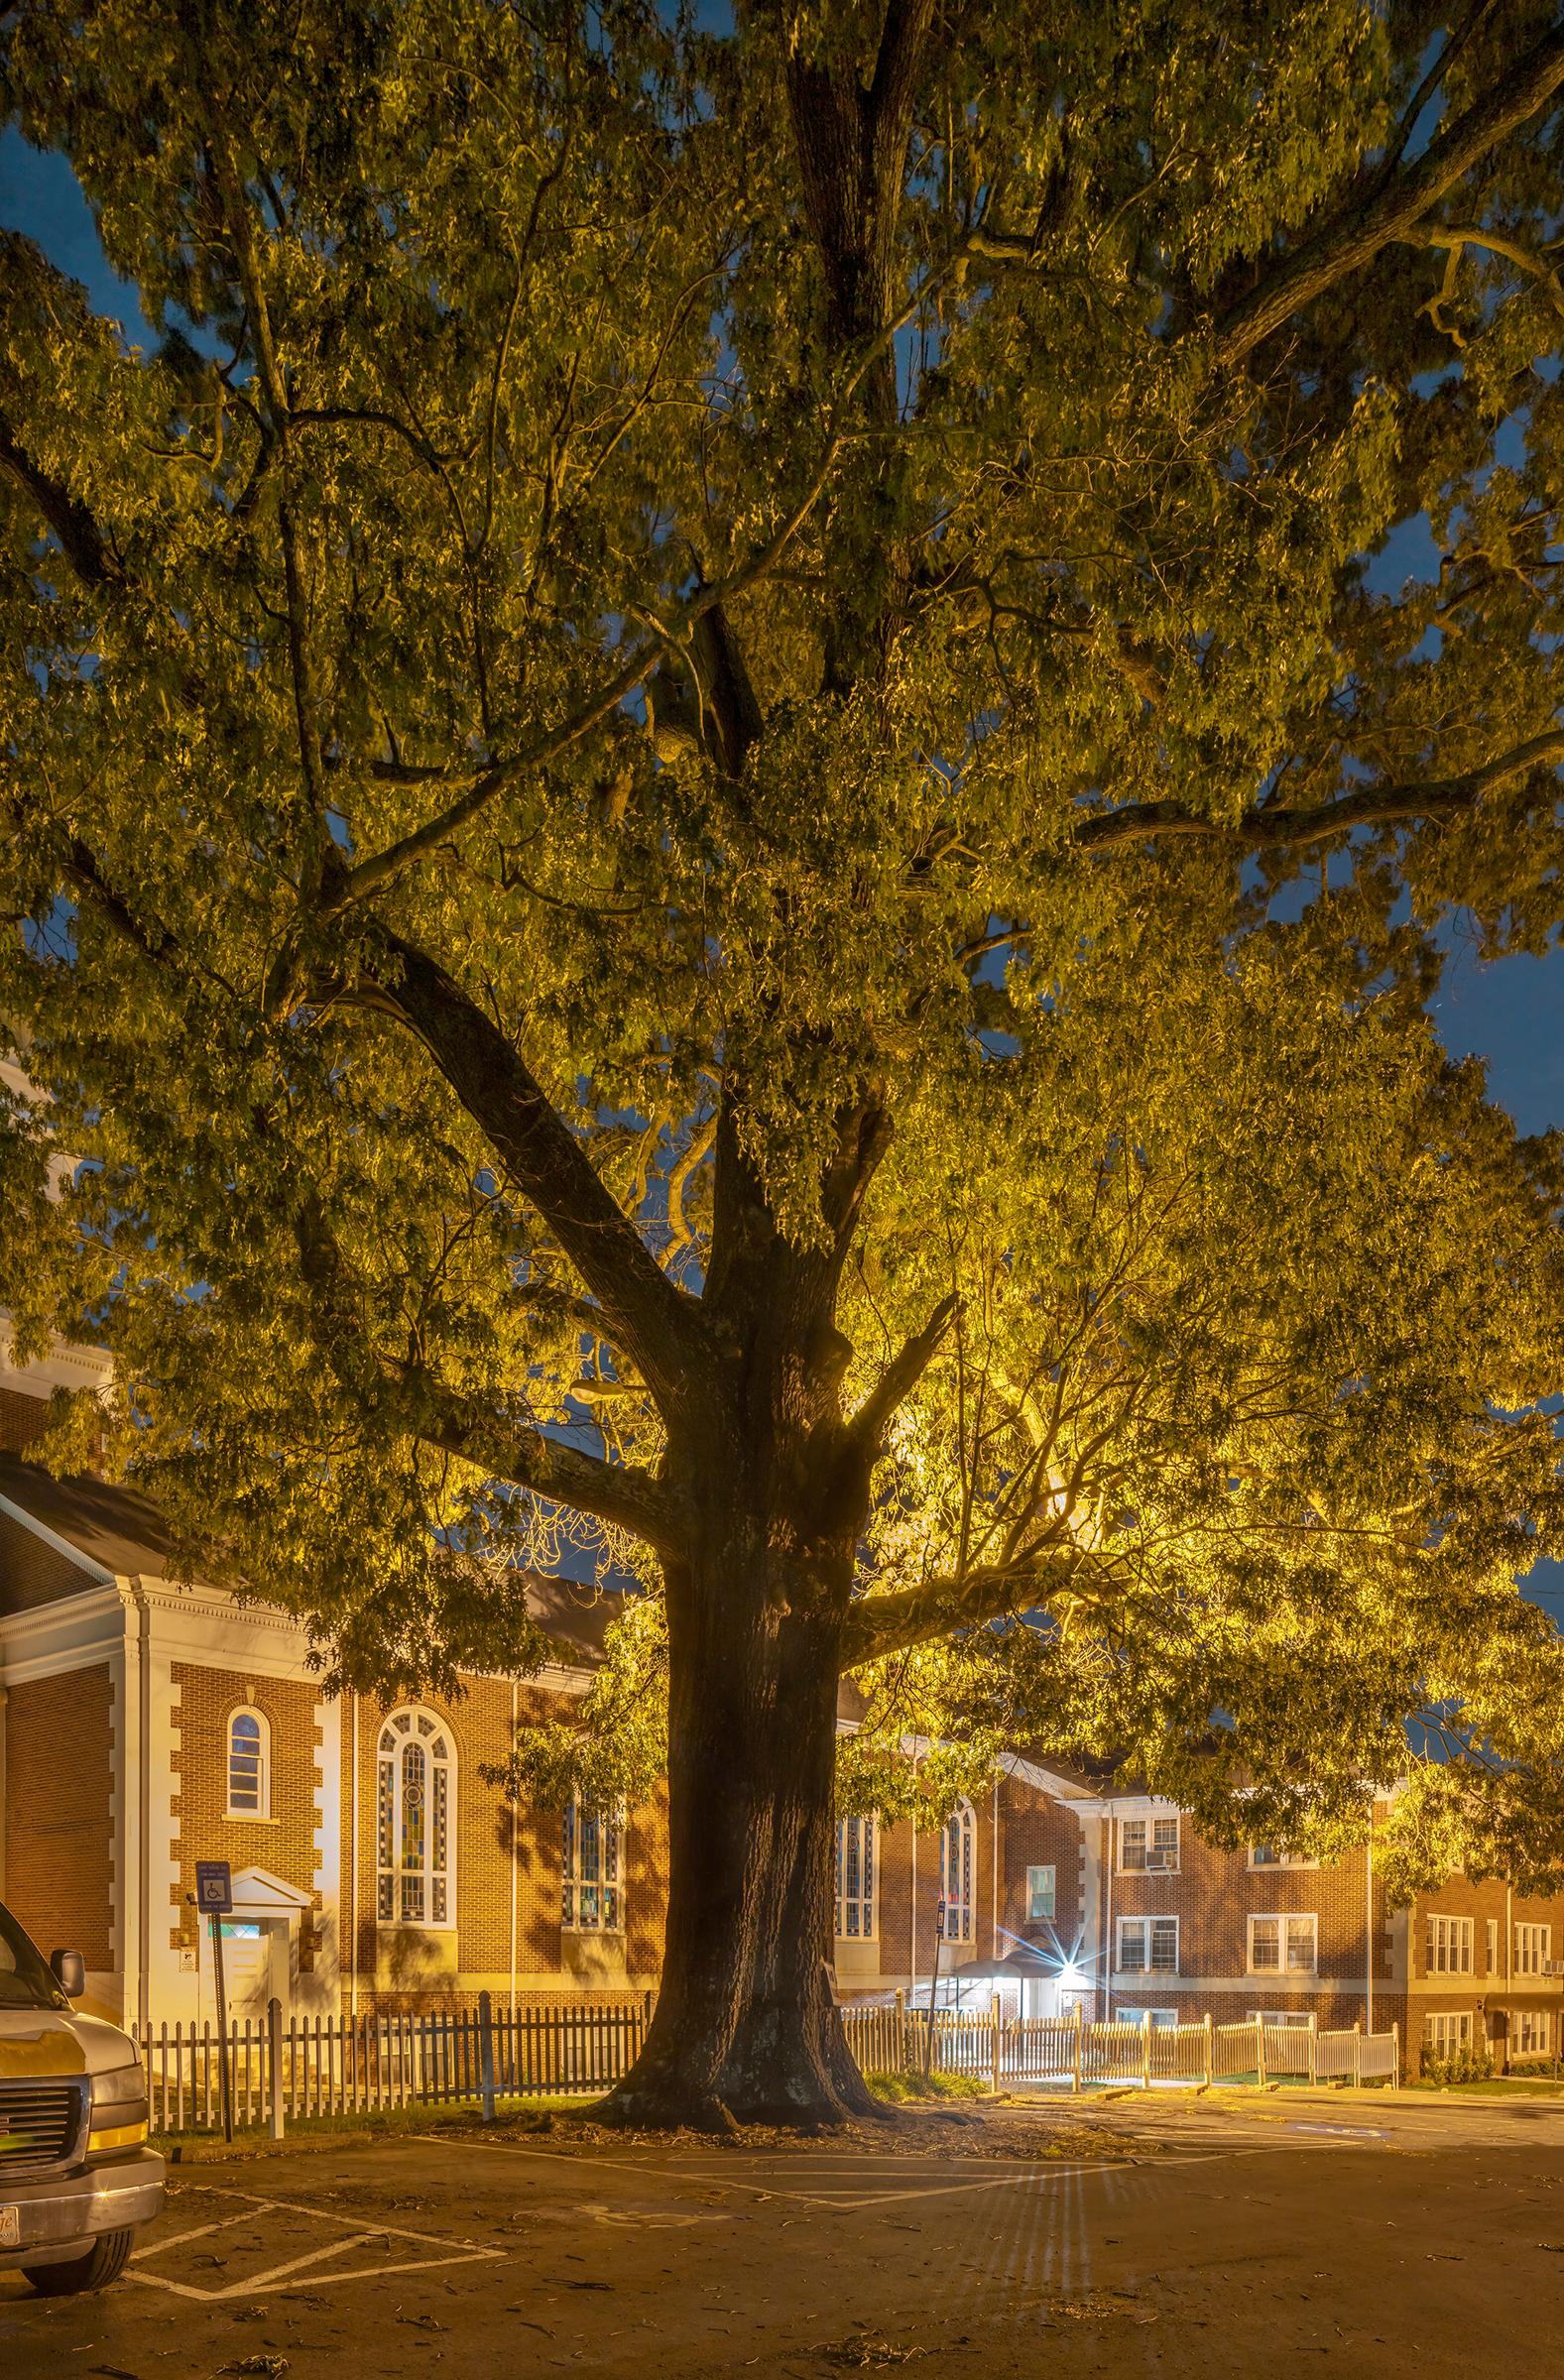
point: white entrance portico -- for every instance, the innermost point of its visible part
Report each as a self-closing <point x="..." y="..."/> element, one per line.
<point x="259" y="1946"/>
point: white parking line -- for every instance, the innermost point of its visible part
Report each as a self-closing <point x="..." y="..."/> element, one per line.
<point x="181" y="2238"/>
<point x="302" y="2272"/>
<point x="836" y="2202"/>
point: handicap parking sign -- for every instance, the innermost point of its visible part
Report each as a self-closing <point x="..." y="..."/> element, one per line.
<point x="213" y="1887"/>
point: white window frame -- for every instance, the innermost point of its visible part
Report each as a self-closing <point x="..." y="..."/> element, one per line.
<point x="1533" y="2033"/>
<point x="1144" y="1927"/>
<point x="1157" y="2018"/>
<point x="420" y="1894"/>
<point x="1295" y="2020"/>
<point x="858" y="1913"/>
<point x="1144" y="1855"/>
<point x="263" y="1765"/>
<point x="1493" y="1945"/>
<point x="1447" y="2029"/>
<point x="1533" y="1947"/>
<point x="1042" y="1917"/>
<point x="1277" y="1860"/>
<point x="958" y="1854"/>
<point x="592" y="1903"/>
<point x="1449" y="1945"/>
<point x="1283" y="1920"/>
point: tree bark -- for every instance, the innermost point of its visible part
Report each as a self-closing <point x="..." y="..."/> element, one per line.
<point x="745" y="2026"/>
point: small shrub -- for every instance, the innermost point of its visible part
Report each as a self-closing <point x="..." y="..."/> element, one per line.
<point x="900" y="2089"/>
<point x="1465" y="2065"/>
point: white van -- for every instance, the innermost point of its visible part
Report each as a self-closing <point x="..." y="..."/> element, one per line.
<point x="77" y="2180"/>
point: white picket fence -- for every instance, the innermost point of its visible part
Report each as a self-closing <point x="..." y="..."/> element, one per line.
<point x="281" y="2070"/>
<point x="1068" y="2053"/>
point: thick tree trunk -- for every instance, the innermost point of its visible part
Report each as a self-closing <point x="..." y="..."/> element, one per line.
<point x="744" y="2024"/>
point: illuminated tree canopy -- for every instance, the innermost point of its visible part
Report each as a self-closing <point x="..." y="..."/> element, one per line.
<point x="723" y="852"/>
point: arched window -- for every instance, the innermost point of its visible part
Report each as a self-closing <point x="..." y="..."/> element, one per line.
<point x="592" y="1898"/>
<point x="416" y="1808"/>
<point x="855" y="1879"/>
<point x="955" y="1873"/>
<point x="249" y="1764"/>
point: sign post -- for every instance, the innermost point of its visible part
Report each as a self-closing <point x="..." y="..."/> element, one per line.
<point x="933" y="1987"/>
<point x="214" y="1894"/>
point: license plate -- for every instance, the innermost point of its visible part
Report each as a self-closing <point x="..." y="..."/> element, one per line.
<point x="10" y="2226"/>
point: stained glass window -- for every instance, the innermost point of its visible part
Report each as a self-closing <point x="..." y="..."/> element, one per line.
<point x="414" y="1802"/>
<point x="591" y="1864"/>
<point x="855" y="1879"/>
<point x="955" y="1873"/>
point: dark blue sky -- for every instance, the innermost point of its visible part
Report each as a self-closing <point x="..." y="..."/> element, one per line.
<point x="1510" y="1012"/>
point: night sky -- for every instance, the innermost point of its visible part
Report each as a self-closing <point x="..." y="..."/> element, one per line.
<point x="1509" y="1013"/>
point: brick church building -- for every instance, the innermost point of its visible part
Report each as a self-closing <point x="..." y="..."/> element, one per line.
<point x="148" y="1721"/>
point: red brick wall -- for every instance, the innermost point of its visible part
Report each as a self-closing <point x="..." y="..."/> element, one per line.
<point x="283" y="1843"/>
<point x="59" y="1816"/>
<point x="1215" y="1892"/>
<point x="1035" y="1830"/>
<point x="31" y="1572"/>
<point x="22" y="1420"/>
<point x="489" y="1833"/>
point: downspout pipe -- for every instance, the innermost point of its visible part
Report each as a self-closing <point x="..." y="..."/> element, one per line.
<point x="143" y="1773"/>
<point x="352" y="1969"/>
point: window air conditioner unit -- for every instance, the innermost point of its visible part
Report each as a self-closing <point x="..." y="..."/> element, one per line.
<point x="1160" y="1859"/>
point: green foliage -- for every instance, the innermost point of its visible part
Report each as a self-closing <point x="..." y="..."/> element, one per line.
<point x="616" y="1747"/>
<point x="1465" y="2065"/>
<point x="551" y="628"/>
<point x="909" y="2089"/>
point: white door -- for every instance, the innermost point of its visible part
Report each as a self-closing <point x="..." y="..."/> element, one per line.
<point x="253" y="1972"/>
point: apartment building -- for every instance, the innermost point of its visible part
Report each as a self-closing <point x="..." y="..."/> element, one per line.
<point x="1190" y="1930"/>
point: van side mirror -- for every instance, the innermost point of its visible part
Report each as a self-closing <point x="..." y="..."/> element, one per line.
<point x="70" y="1970"/>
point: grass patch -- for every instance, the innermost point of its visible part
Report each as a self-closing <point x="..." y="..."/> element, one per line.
<point x="905" y="2090"/>
<point x="1500" y="2086"/>
<point x="378" y="2123"/>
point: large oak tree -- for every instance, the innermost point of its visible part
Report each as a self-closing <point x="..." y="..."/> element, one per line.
<point x="721" y="847"/>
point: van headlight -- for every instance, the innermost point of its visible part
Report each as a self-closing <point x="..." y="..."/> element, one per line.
<point x="119" y="2118"/>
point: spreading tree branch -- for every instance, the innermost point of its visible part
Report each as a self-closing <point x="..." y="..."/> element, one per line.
<point x="471" y="1429"/>
<point x="659" y="1328"/>
<point x="621" y="1494"/>
<point x="1353" y="235"/>
<point x="899" y="1378"/>
<point x="85" y="546"/>
<point x="1293" y="829"/>
<point x="880" y="1624"/>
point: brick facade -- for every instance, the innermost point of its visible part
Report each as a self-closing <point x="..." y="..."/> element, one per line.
<point x="59" y="1832"/>
<point x="282" y="1842"/>
<point x="500" y="1856"/>
<point x="21" y="1419"/>
<point x="33" y="1571"/>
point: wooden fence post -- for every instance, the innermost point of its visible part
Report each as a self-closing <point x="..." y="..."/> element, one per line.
<point x="274" y="2068"/>
<point x="994" y="2044"/>
<point x="1259" y="2053"/>
<point x="1357" y="2053"/>
<point x="1314" y="2053"/>
<point x="1075" y="2061"/>
<point x="902" y="2060"/>
<point x="1145" y="2051"/>
<point x="1211" y="2053"/>
<point x="486" y="2055"/>
<point x="1396" y="2054"/>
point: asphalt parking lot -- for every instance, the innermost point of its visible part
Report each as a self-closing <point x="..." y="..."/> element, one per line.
<point x="1184" y="2241"/>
